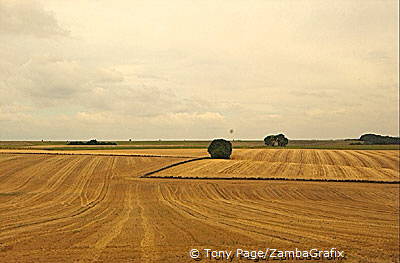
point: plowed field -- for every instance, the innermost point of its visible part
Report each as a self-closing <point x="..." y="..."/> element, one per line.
<point x="66" y="208"/>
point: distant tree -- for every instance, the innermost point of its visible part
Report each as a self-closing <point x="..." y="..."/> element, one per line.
<point x="283" y="142"/>
<point x="92" y="142"/>
<point x="220" y="149"/>
<point x="379" y="139"/>
<point x="276" y="140"/>
<point x="269" y="140"/>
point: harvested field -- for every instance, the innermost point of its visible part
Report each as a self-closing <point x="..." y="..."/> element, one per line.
<point x="57" y="208"/>
<point x="360" y="158"/>
<point x="34" y="166"/>
<point x="263" y="170"/>
<point x="185" y="153"/>
<point x="295" y="164"/>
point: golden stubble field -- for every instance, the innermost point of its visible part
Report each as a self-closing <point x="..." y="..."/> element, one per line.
<point x="296" y="164"/>
<point x="94" y="208"/>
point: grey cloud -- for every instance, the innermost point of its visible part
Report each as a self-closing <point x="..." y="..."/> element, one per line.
<point x="19" y="17"/>
<point x="51" y="82"/>
<point x="131" y="99"/>
<point x="52" y="78"/>
<point x="49" y="78"/>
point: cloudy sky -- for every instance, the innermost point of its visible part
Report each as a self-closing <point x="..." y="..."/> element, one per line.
<point x="195" y="69"/>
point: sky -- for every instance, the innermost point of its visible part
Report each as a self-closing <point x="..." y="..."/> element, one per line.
<point x="135" y="69"/>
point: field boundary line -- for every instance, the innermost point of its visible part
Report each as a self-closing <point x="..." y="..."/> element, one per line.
<point x="146" y="175"/>
<point x="268" y="179"/>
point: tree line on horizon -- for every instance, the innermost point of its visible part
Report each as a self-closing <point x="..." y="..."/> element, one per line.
<point x="376" y="139"/>
<point x="91" y="142"/>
